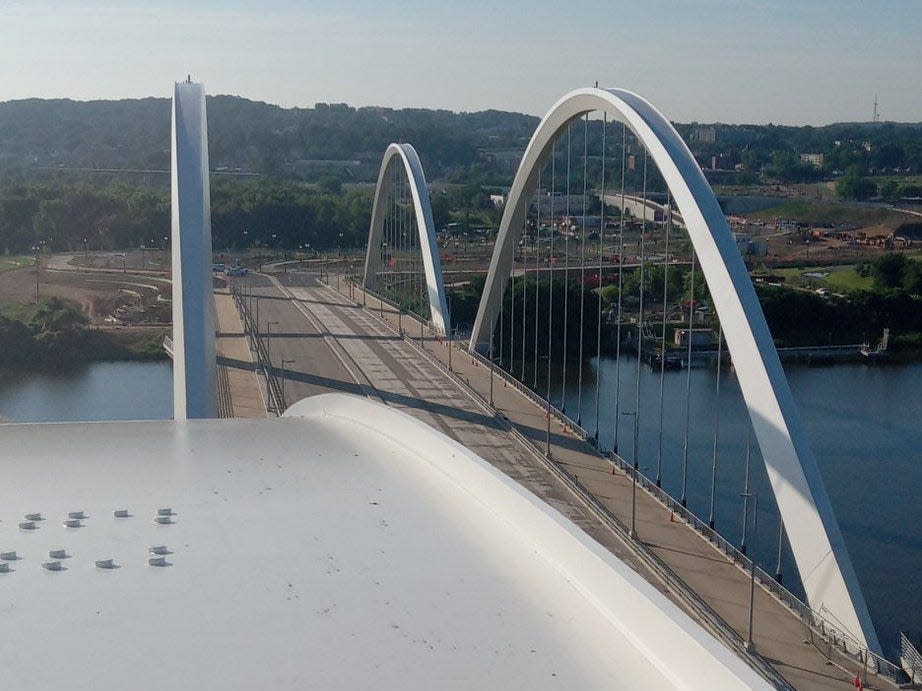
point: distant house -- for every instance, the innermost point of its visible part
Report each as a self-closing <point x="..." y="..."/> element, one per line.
<point x="816" y="160"/>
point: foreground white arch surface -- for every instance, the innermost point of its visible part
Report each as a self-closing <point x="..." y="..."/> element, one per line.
<point x="432" y="266"/>
<point x="816" y="541"/>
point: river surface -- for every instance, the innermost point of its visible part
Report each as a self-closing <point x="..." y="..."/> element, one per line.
<point x="864" y="424"/>
<point x="98" y="391"/>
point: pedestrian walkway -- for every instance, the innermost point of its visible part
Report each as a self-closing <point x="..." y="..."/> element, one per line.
<point x="239" y="393"/>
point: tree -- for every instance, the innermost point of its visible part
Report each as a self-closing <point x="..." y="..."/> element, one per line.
<point x="912" y="277"/>
<point x="888" y="270"/>
<point x="854" y="186"/>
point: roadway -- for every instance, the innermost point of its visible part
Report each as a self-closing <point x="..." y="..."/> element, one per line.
<point x="331" y="343"/>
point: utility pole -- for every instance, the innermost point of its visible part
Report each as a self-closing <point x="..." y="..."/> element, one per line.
<point x="38" y="268"/>
<point x="491" y="369"/>
<point x="284" y="363"/>
<point x="269" y="326"/>
<point x="750" y="645"/>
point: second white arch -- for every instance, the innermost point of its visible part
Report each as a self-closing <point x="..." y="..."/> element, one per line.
<point x="432" y="266"/>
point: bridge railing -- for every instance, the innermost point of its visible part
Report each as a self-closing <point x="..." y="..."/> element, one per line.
<point x="910" y="658"/>
<point x="273" y="386"/>
<point x="821" y="630"/>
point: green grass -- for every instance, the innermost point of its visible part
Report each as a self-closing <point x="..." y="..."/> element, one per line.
<point x="18" y="311"/>
<point x="829" y="212"/>
<point x="14" y="262"/>
<point x="840" y="279"/>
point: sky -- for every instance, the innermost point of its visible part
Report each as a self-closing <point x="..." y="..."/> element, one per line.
<point x="733" y="61"/>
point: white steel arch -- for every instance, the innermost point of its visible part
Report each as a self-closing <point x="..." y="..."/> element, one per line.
<point x="432" y="266"/>
<point x="813" y="533"/>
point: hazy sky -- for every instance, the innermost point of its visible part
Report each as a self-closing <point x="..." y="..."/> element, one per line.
<point x="806" y="61"/>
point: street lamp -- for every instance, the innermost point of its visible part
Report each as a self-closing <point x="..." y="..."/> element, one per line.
<point x="269" y="326"/>
<point x="634" y="469"/>
<point x="284" y="363"/>
<point x="491" y="369"/>
<point x="37" y="249"/>
<point x="750" y="644"/>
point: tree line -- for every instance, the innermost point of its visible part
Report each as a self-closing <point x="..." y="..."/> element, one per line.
<point x="245" y="214"/>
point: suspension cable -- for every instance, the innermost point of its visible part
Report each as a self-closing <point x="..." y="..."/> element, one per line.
<point x="524" y="291"/>
<point x="550" y="262"/>
<point x="598" y="332"/>
<point x="512" y="317"/>
<point x="582" y="274"/>
<point x="537" y="281"/>
<point x="643" y="239"/>
<point x="720" y="342"/>
<point x="620" y="286"/>
<point x="662" y="347"/>
<point x="746" y="486"/>
<point x="566" y="281"/>
<point x="688" y="366"/>
<point x="502" y="318"/>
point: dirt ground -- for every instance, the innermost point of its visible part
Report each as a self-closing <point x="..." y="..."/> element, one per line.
<point x="108" y="298"/>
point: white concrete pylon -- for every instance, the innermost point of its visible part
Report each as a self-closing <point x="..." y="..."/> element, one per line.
<point x="195" y="392"/>
<point x="435" y="286"/>
<point x="816" y="542"/>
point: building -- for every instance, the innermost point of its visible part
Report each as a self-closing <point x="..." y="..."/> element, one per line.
<point x="815" y="160"/>
<point x="704" y="135"/>
<point x="700" y="338"/>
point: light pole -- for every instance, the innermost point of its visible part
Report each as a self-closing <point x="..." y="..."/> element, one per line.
<point x="750" y="644"/>
<point x="780" y="538"/>
<point x="37" y="249"/>
<point x="269" y="326"/>
<point x="634" y="469"/>
<point x="284" y="363"/>
<point x="491" y="369"/>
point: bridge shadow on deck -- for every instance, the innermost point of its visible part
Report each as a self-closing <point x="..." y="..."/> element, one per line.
<point x="352" y="388"/>
<point x="337" y="336"/>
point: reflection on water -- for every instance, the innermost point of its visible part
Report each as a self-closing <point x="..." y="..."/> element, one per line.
<point x="99" y="391"/>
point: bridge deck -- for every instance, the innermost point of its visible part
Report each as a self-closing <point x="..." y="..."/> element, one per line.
<point x="337" y="345"/>
<point x="238" y="387"/>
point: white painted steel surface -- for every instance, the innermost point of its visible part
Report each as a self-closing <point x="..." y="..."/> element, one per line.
<point x="432" y="265"/>
<point x="819" y="550"/>
<point x="195" y="388"/>
<point x="343" y="546"/>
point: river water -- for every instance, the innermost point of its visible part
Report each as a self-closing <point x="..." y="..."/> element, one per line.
<point x="98" y="391"/>
<point x="864" y="423"/>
